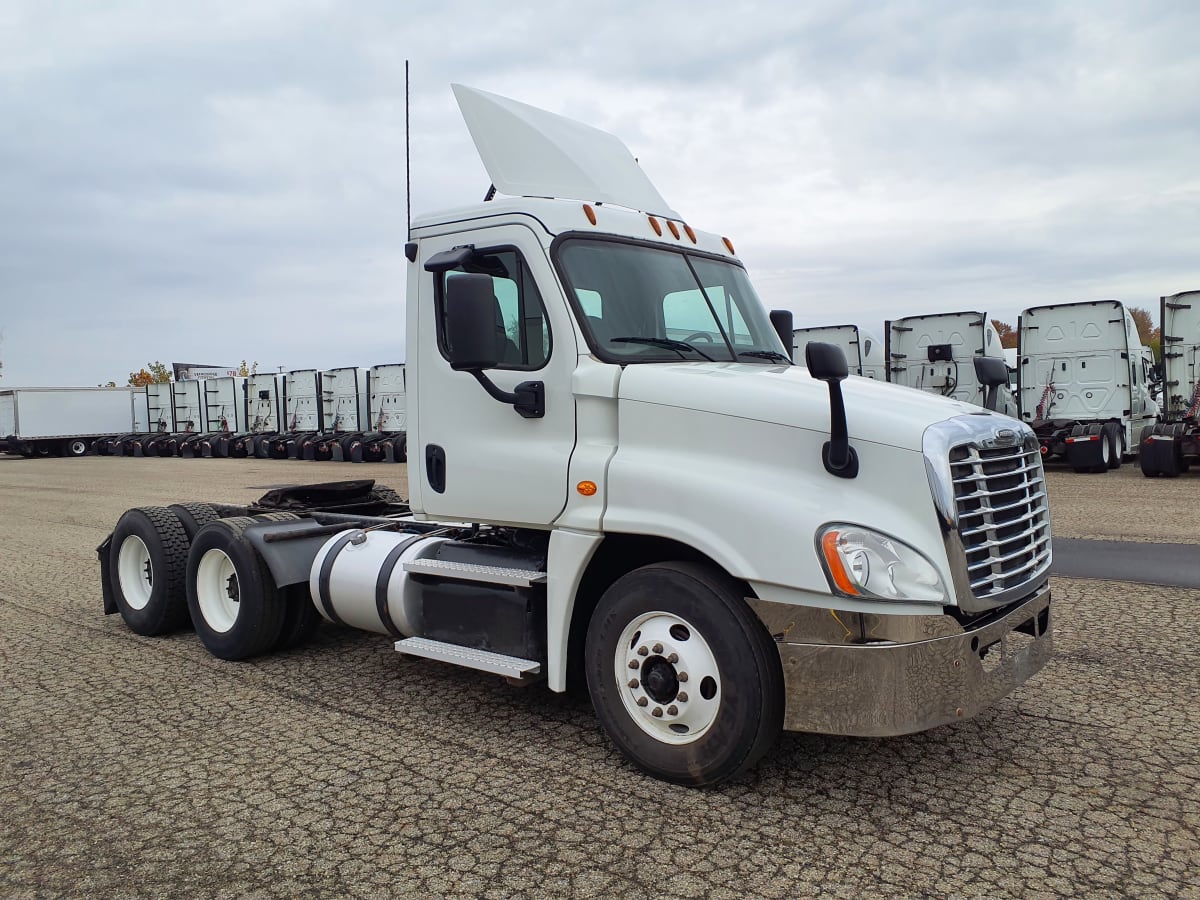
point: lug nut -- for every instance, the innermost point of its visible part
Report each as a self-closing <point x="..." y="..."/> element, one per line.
<point x="672" y="710"/>
<point x="682" y="676"/>
<point x="681" y="696"/>
<point x="642" y="651"/>
<point x="633" y="664"/>
<point x="673" y="658"/>
<point x="642" y="701"/>
<point x="658" y="648"/>
<point x="657" y="712"/>
<point x="633" y="683"/>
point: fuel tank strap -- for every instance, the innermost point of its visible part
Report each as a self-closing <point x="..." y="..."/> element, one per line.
<point x="381" y="584"/>
<point x="326" y="570"/>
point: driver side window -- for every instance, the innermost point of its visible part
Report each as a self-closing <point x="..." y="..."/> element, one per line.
<point x="522" y="331"/>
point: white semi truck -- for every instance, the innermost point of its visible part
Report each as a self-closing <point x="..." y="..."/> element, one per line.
<point x="954" y="354"/>
<point x="597" y="497"/>
<point x="63" y="421"/>
<point x="863" y="350"/>
<point x="1085" y="382"/>
<point x="1169" y="447"/>
<point x="385" y="439"/>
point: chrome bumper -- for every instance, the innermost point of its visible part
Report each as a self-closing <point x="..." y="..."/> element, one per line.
<point x="891" y="688"/>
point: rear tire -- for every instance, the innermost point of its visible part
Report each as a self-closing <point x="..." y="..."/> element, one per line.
<point x="147" y="569"/>
<point x="75" y="447"/>
<point x="237" y="608"/>
<point x="193" y="516"/>
<point x="1112" y="432"/>
<point x="683" y="676"/>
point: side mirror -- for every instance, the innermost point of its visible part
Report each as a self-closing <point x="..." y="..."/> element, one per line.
<point x="471" y="323"/>
<point x="991" y="372"/>
<point x="781" y="320"/>
<point x="827" y="362"/>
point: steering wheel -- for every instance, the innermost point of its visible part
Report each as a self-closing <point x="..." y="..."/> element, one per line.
<point x="698" y="336"/>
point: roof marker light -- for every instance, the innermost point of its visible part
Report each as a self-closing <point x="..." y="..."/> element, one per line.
<point x="654" y="224"/>
<point x="674" y="229"/>
<point x="729" y="245"/>
<point x="590" y="213"/>
<point x="690" y="233"/>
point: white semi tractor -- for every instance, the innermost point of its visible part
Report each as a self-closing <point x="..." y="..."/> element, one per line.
<point x="1169" y="447"/>
<point x="1085" y="382"/>
<point x="954" y="354"/>
<point x="385" y="439"/>
<point x="863" y="350"/>
<point x="595" y="496"/>
<point x="57" y="421"/>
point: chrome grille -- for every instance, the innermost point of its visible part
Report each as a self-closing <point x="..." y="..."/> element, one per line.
<point x="1003" y="516"/>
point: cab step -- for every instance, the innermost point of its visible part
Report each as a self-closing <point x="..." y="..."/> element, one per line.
<point x="470" y="658"/>
<point x="458" y="571"/>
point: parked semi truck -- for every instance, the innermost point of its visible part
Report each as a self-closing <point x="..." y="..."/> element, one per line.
<point x="952" y="354"/>
<point x="1085" y="382"/>
<point x="387" y="408"/>
<point x="1170" y="446"/>
<point x="55" y="421"/>
<point x="596" y="496"/>
<point x="864" y="352"/>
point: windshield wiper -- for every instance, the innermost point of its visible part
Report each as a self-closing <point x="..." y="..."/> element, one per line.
<point x="665" y="343"/>
<point x="764" y="354"/>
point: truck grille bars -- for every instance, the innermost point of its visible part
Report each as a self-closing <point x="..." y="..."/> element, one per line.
<point x="1003" y="517"/>
<point x="985" y="472"/>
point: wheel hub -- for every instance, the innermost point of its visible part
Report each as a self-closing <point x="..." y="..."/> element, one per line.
<point x="668" y="677"/>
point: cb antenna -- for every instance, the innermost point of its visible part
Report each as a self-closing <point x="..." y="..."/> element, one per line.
<point x="407" y="160"/>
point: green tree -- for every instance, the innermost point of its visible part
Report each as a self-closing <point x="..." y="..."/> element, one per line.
<point x="150" y="374"/>
<point x="1008" y="334"/>
<point x="1150" y="333"/>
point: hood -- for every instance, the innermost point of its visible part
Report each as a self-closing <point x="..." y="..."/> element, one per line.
<point x="787" y="395"/>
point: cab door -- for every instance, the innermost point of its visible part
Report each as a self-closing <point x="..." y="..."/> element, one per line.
<point x="476" y="457"/>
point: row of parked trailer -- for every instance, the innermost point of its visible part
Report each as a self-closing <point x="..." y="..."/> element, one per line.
<point x="351" y="414"/>
<point x="1079" y="376"/>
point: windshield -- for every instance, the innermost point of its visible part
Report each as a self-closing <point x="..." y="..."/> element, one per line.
<point x="644" y="304"/>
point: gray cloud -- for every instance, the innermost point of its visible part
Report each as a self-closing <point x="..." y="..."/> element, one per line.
<point x="226" y="180"/>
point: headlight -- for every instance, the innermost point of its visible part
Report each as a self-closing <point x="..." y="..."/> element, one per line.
<point x="869" y="565"/>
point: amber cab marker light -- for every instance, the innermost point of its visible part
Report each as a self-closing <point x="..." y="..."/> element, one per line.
<point x="729" y="245"/>
<point x="834" y="561"/>
<point x="674" y="229"/>
<point x="654" y="224"/>
<point x="587" y="488"/>
<point x="590" y="213"/>
<point x="687" y="229"/>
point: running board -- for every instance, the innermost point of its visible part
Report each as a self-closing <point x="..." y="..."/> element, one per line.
<point x="470" y="658"/>
<point x="470" y="572"/>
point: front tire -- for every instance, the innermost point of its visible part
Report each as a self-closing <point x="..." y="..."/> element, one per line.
<point x="683" y="676"/>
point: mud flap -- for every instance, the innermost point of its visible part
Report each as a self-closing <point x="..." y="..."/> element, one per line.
<point x="102" y="552"/>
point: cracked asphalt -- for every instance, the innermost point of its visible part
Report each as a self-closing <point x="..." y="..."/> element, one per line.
<point x="135" y="766"/>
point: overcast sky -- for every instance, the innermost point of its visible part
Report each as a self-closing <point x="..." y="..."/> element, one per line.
<point x="212" y="181"/>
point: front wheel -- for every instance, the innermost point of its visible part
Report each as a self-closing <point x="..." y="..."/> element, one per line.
<point x="683" y="676"/>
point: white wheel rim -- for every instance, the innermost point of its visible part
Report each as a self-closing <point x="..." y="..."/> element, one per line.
<point x="78" y="448"/>
<point x="667" y="677"/>
<point x="217" y="590"/>
<point x="135" y="572"/>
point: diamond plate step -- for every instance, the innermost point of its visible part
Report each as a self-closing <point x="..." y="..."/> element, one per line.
<point x="470" y="572"/>
<point x="483" y="660"/>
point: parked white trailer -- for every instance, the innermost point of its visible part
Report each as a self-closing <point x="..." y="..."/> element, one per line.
<point x="62" y="421"/>
<point x="1169" y="447"/>
<point x="1085" y="382"/>
<point x="715" y="543"/>
<point x="864" y="352"/>
<point x="937" y="352"/>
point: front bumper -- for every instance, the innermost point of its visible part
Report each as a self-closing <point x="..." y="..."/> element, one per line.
<point x="884" y="688"/>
